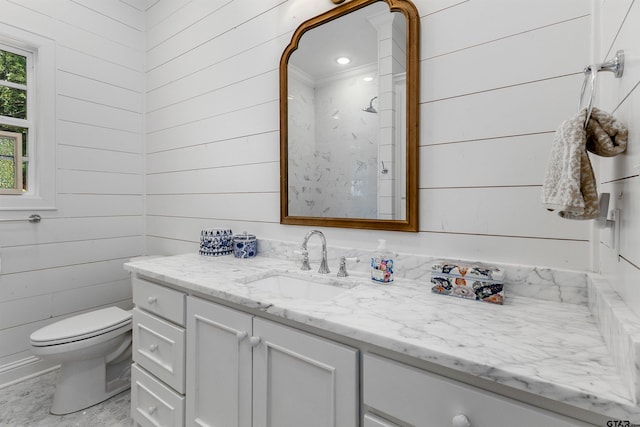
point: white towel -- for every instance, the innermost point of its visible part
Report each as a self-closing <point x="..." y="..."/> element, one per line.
<point x="569" y="184"/>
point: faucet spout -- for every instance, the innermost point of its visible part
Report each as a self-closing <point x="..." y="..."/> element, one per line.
<point x="324" y="267"/>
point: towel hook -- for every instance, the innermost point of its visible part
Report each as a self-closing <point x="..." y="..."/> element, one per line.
<point x="615" y="65"/>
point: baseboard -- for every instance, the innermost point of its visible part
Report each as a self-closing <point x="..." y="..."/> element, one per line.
<point x="23" y="369"/>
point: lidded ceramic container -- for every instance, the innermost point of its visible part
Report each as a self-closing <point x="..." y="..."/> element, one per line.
<point x="245" y="245"/>
<point x="216" y="241"/>
<point x="476" y="281"/>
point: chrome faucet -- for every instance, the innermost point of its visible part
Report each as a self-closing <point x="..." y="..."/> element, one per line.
<point x="324" y="268"/>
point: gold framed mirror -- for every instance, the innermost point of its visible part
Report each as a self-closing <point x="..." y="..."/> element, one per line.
<point x="349" y="132"/>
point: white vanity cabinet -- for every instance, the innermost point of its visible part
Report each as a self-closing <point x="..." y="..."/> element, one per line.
<point x="158" y="372"/>
<point x="422" y="399"/>
<point x="201" y="363"/>
<point x="245" y="371"/>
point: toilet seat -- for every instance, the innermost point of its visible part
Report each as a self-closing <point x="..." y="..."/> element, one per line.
<point x="81" y="327"/>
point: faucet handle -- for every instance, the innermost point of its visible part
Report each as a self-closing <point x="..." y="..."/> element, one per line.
<point x="305" y="259"/>
<point x="343" y="265"/>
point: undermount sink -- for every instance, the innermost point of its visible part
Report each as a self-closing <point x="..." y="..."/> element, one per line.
<point x="297" y="288"/>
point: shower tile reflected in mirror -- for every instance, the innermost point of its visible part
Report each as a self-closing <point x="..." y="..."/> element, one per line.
<point x="336" y="176"/>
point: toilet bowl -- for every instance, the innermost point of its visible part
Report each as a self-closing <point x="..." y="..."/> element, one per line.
<point x="94" y="350"/>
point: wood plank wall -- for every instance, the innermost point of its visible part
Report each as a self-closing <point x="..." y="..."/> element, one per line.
<point x="493" y="92"/>
<point x="72" y="261"/>
<point x="620" y="249"/>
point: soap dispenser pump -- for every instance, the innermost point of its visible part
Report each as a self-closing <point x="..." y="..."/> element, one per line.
<point x="382" y="264"/>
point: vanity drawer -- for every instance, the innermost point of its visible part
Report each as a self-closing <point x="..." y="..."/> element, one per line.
<point x="159" y="347"/>
<point x="423" y="399"/>
<point x="153" y="403"/>
<point x="371" y="420"/>
<point x="160" y="300"/>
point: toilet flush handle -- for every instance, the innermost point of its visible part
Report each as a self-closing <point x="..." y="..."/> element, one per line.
<point x="152" y="300"/>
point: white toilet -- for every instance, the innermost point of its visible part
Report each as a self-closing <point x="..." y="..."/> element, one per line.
<point x="94" y="350"/>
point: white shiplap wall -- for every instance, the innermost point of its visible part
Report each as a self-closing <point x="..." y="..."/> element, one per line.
<point x="72" y="261"/>
<point x="493" y="92"/>
<point x="619" y="176"/>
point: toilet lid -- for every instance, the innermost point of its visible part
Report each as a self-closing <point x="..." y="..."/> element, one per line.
<point x="82" y="326"/>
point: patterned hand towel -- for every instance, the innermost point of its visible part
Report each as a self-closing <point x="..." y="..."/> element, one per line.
<point x="569" y="184"/>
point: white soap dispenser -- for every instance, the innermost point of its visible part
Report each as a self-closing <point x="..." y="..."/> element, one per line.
<point x="382" y="264"/>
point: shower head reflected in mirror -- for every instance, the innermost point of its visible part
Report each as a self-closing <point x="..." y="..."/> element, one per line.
<point x="370" y="108"/>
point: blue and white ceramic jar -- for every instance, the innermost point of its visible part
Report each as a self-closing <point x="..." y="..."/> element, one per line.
<point x="245" y="246"/>
<point x="216" y="241"/>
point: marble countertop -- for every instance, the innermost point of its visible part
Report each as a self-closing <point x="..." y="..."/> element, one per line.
<point x="547" y="348"/>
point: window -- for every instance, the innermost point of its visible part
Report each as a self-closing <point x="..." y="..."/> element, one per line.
<point x="10" y="163"/>
<point x="27" y="120"/>
<point x="16" y="118"/>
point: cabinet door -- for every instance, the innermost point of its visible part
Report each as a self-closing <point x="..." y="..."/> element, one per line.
<point x="219" y="365"/>
<point x="302" y="380"/>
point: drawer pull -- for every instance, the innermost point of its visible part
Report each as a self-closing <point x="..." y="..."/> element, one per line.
<point x="152" y="300"/>
<point x="254" y="341"/>
<point x="152" y="409"/>
<point x="460" y="420"/>
<point x="153" y="347"/>
<point x="242" y="335"/>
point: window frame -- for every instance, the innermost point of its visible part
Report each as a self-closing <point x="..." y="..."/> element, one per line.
<point x="17" y="160"/>
<point x="41" y="117"/>
<point x="31" y="119"/>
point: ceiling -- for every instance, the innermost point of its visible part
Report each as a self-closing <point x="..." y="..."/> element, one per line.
<point x="350" y="35"/>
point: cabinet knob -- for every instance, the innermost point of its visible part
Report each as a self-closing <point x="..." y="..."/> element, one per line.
<point x="153" y="347"/>
<point x="460" y="420"/>
<point x="254" y="341"/>
<point x="152" y="409"/>
<point x="242" y="335"/>
<point x="152" y="300"/>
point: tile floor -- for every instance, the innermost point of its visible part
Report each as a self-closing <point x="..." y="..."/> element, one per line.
<point x="26" y="404"/>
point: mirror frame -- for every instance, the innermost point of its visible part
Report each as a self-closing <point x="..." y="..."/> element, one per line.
<point x="410" y="223"/>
